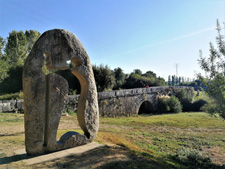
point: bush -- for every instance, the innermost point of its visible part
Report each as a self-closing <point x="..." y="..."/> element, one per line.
<point x="193" y="157"/>
<point x="196" y="106"/>
<point x="175" y="105"/>
<point x="162" y="106"/>
<point x="12" y="96"/>
<point x="13" y="83"/>
<point x="169" y="105"/>
<point x="185" y="96"/>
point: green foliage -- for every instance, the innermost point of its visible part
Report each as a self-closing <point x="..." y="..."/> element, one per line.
<point x="119" y="78"/>
<point x="137" y="81"/>
<point x="169" y="81"/>
<point x="193" y="157"/>
<point x="169" y="105"/>
<point x="12" y="96"/>
<point x="104" y="78"/>
<point x="31" y="37"/>
<point x="163" y="105"/>
<point x="137" y="71"/>
<point x="214" y="67"/>
<point x="186" y="97"/>
<point x="3" y="60"/>
<point x="170" y="139"/>
<point x="13" y="83"/>
<point x="74" y="84"/>
<point x="16" y="47"/>
<point x="16" y="50"/>
<point x="174" y="104"/>
<point x="197" y="105"/>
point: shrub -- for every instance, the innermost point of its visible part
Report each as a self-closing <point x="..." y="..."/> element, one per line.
<point x="196" y="106"/>
<point x="174" y="104"/>
<point x="185" y="96"/>
<point x="162" y="106"/>
<point x="169" y="104"/>
<point x="12" y="96"/>
<point x="193" y="157"/>
<point x="13" y="83"/>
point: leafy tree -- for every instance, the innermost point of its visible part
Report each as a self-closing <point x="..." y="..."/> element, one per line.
<point x="135" y="80"/>
<point x="186" y="98"/>
<point x="137" y="71"/>
<point x="12" y="83"/>
<point x="16" y="50"/>
<point x="2" y="44"/>
<point x="19" y="45"/>
<point x="173" y="80"/>
<point x="169" y="81"/>
<point x="150" y="74"/>
<point x="119" y="78"/>
<point x="104" y="78"/>
<point x="179" y="80"/>
<point x="31" y="37"/>
<point x="214" y="67"/>
<point x="3" y="60"/>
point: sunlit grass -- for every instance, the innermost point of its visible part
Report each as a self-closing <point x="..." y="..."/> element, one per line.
<point x="164" y="139"/>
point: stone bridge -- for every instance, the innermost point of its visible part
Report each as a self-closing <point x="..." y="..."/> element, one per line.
<point x="112" y="103"/>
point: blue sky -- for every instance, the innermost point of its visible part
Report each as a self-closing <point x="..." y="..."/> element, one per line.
<point x="131" y="34"/>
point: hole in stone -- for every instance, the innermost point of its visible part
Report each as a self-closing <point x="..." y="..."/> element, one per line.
<point x="68" y="125"/>
<point x="146" y="108"/>
<point x="65" y="124"/>
<point x="74" y="84"/>
<point x="68" y="62"/>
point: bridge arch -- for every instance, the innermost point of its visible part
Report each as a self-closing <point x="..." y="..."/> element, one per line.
<point x="146" y="108"/>
<point x="145" y="104"/>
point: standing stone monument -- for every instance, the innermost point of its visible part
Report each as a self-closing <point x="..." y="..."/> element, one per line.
<point x="44" y="95"/>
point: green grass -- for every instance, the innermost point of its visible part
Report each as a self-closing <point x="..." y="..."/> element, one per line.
<point x="11" y="119"/>
<point x="162" y="137"/>
<point x="183" y="140"/>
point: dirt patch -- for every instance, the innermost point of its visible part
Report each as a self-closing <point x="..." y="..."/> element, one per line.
<point x="215" y="153"/>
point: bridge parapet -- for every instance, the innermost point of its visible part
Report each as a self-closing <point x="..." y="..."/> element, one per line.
<point x="111" y="103"/>
<point x="136" y="91"/>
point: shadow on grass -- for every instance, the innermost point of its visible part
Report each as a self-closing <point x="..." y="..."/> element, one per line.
<point x="101" y="158"/>
<point x="14" y="134"/>
<point x="7" y="160"/>
<point x="110" y="157"/>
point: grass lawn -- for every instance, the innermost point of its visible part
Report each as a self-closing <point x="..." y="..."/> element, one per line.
<point x="184" y="140"/>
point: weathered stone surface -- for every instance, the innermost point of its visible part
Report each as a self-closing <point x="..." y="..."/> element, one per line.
<point x="44" y="95"/>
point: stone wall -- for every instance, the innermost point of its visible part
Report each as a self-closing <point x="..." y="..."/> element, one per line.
<point x="11" y="106"/>
<point x="111" y="103"/>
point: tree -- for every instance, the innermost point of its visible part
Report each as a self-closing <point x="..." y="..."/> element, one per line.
<point x="16" y="50"/>
<point x="19" y="45"/>
<point x="214" y="67"/>
<point x="137" y="71"/>
<point x="150" y="74"/>
<point x="119" y="78"/>
<point x="173" y="80"/>
<point x="179" y="80"/>
<point x="169" y="81"/>
<point x="104" y="78"/>
<point x="31" y="37"/>
<point x="135" y="80"/>
<point x="3" y="60"/>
